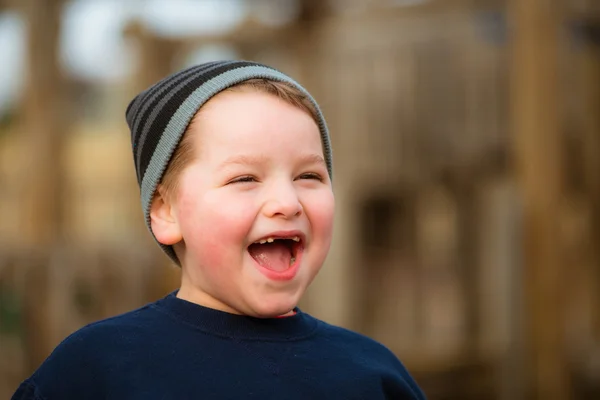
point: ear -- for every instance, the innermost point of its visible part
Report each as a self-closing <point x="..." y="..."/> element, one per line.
<point x="163" y="220"/>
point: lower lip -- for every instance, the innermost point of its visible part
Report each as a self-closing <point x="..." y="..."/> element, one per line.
<point x="286" y="275"/>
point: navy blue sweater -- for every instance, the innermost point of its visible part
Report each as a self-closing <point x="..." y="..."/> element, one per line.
<point x="174" y="349"/>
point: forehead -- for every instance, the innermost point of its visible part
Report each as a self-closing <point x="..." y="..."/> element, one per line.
<point x="254" y="122"/>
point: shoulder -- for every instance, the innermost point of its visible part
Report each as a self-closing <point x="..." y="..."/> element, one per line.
<point x="79" y="363"/>
<point x="28" y="390"/>
<point x="90" y="339"/>
<point x="369" y="354"/>
<point x="357" y="341"/>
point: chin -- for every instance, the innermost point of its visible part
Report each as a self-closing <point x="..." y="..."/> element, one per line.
<point x="274" y="307"/>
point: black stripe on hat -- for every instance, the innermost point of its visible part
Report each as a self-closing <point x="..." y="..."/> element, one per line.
<point x="165" y="114"/>
<point x="166" y="96"/>
<point x="149" y="100"/>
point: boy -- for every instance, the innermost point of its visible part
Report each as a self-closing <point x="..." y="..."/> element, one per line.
<point x="234" y="164"/>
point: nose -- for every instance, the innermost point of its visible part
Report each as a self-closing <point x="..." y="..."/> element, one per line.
<point x="282" y="201"/>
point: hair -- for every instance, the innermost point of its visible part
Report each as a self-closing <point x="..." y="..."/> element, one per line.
<point x="185" y="150"/>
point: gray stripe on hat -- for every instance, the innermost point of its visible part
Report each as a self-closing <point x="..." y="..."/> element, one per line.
<point x="180" y="120"/>
<point x="161" y="85"/>
<point x="158" y="107"/>
<point x="158" y="88"/>
<point x="133" y="109"/>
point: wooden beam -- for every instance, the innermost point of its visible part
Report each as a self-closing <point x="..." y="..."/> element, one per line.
<point x="248" y="33"/>
<point x="538" y="154"/>
<point x="251" y="33"/>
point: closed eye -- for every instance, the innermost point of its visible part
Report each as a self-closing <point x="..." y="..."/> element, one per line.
<point x="243" y="179"/>
<point x="311" y="175"/>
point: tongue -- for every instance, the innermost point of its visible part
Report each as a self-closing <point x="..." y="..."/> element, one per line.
<point x="275" y="256"/>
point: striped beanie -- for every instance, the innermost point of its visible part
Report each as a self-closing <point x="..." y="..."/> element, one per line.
<point x="159" y="116"/>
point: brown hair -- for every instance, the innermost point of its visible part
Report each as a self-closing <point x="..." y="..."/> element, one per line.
<point x="184" y="153"/>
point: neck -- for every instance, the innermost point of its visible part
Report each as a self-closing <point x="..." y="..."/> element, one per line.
<point x="215" y="322"/>
<point x="189" y="293"/>
<point x="194" y="295"/>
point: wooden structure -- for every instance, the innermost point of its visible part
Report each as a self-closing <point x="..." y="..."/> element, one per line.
<point x="466" y="230"/>
<point x="434" y="183"/>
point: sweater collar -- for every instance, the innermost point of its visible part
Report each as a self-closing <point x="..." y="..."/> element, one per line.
<point x="220" y="323"/>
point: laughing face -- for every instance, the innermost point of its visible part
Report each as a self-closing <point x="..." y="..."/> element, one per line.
<point x="253" y="216"/>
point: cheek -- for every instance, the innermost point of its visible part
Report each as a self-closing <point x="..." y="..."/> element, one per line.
<point x="320" y="211"/>
<point x="214" y="227"/>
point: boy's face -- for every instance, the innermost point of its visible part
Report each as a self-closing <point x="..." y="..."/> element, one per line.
<point x="259" y="175"/>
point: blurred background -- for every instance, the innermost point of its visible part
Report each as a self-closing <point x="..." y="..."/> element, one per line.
<point x="466" y="138"/>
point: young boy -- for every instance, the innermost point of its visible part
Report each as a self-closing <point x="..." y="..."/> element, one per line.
<point x="234" y="164"/>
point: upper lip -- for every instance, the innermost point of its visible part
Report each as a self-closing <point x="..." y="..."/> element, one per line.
<point x="282" y="235"/>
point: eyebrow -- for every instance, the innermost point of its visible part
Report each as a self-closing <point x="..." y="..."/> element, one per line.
<point x="256" y="160"/>
<point x="313" y="159"/>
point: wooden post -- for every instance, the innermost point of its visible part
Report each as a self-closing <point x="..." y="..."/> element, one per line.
<point x="44" y="130"/>
<point x="468" y="203"/>
<point x="43" y="117"/>
<point x="590" y="71"/>
<point x="536" y="140"/>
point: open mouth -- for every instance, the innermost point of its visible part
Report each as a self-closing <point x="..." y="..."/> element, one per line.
<point x="276" y="253"/>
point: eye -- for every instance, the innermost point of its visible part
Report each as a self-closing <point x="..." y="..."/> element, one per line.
<point x="243" y="179"/>
<point x="311" y="175"/>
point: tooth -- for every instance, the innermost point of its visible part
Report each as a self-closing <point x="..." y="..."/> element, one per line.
<point x="270" y="240"/>
<point x="292" y="260"/>
<point x="263" y="241"/>
<point x="296" y="239"/>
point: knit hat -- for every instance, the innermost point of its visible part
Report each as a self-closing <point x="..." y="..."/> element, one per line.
<point x="159" y="116"/>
